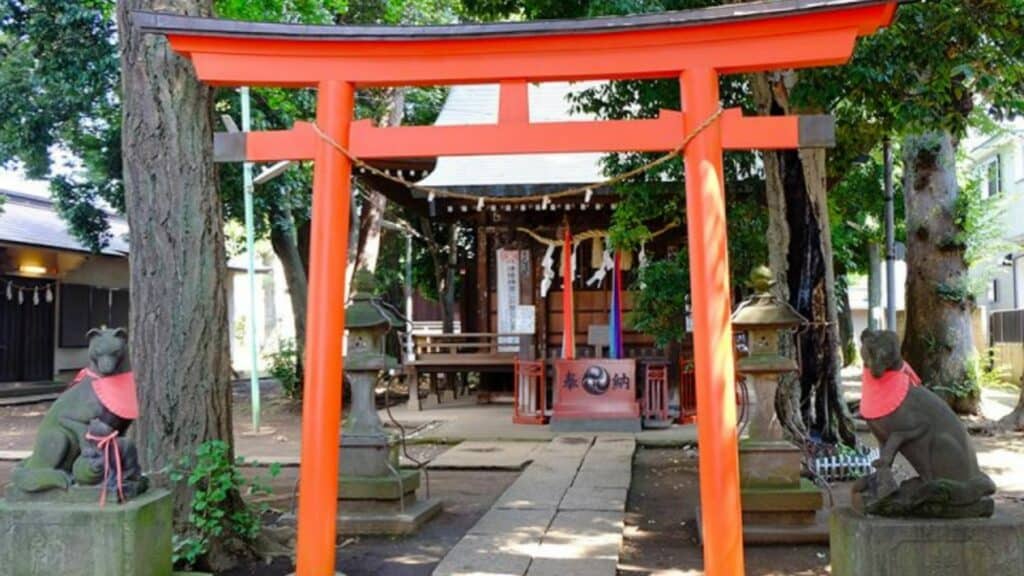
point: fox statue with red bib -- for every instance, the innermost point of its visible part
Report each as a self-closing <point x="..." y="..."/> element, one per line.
<point x="81" y="440"/>
<point x="907" y="418"/>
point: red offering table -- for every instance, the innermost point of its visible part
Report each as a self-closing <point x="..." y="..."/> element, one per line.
<point x="595" y="394"/>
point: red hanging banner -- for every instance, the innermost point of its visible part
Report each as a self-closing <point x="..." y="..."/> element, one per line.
<point x="568" y="310"/>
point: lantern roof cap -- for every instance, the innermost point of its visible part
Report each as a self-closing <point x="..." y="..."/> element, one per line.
<point x="365" y="310"/>
<point x="764" y="309"/>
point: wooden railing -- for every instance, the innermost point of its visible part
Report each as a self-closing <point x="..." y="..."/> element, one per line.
<point x="469" y="346"/>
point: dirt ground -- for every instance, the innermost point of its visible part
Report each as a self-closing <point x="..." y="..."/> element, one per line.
<point x="660" y="536"/>
<point x="661" y="526"/>
<point x="466" y="496"/>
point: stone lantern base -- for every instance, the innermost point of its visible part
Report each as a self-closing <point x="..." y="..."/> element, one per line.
<point x="375" y="495"/>
<point x="779" y="507"/>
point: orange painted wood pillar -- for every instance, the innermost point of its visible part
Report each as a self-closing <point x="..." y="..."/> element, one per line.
<point x="718" y="444"/>
<point x="321" y="404"/>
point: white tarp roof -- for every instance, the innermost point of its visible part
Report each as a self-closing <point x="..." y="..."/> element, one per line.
<point x="478" y="104"/>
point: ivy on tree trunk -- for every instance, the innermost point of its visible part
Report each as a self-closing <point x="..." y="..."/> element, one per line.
<point x="937" y="342"/>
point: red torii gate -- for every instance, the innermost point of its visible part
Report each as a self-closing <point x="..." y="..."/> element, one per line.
<point x="697" y="46"/>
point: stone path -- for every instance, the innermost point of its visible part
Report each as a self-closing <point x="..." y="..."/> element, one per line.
<point x="477" y="455"/>
<point x="562" y="517"/>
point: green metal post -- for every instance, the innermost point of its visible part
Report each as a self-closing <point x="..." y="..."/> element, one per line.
<point x="254" y="377"/>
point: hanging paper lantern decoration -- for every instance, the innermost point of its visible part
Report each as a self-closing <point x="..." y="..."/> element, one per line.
<point x="49" y="293"/>
<point x="21" y="296"/>
<point x="35" y="296"/>
<point x="10" y="293"/>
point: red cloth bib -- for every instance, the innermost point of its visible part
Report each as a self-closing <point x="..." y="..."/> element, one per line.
<point x="116" y="392"/>
<point x="881" y="396"/>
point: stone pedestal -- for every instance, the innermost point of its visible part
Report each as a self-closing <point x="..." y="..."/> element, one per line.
<point x="375" y="495"/>
<point x="779" y="507"/>
<point x="914" y="547"/>
<point x="49" y="538"/>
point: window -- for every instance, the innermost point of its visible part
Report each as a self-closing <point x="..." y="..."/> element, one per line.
<point x="85" y="307"/>
<point x="992" y="178"/>
<point x="993" y="292"/>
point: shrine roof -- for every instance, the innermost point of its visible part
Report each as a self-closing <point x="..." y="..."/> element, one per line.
<point x="199" y="26"/>
<point x="478" y="104"/>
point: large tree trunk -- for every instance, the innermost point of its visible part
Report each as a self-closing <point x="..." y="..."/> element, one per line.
<point x="847" y="339"/>
<point x="376" y="203"/>
<point x="800" y="255"/>
<point x="444" y="269"/>
<point x="1015" y="420"/>
<point x="179" y="321"/>
<point x="284" y="240"/>
<point x="938" y="342"/>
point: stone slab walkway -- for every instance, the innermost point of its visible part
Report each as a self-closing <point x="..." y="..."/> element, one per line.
<point x="563" y="516"/>
<point x="479" y="455"/>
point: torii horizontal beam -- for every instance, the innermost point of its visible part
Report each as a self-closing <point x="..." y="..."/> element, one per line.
<point x="655" y="135"/>
<point x="730" y="39"/>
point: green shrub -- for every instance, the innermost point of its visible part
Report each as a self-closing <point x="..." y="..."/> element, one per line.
<point x="284" y="366"/>
<point x="216" y="509"/>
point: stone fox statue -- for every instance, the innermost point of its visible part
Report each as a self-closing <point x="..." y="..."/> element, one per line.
<point x="80" y="440"/>
<point x="909" y="419"/>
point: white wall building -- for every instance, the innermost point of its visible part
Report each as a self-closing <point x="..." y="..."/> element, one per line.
<point x="999" y="161"/>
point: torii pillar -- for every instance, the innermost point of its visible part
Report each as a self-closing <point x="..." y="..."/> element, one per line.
<point x="695" y="46"/>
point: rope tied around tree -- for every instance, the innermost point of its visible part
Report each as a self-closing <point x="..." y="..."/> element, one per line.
<point x="586" y="190"/>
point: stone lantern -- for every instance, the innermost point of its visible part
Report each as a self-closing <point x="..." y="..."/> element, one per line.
<point x="766" y="320"/>
<point x="778" y="505"/>
<point x="377" y="496"/>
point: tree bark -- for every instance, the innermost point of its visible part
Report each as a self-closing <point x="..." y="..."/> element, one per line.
<point x="847" y="339"/>
<point x="448" y="298"/>
<point x="1015" y="420"/>
<point x="444" y="270"/>
<point x="283" y="239"/>
<point x="937" y="342"/>
<point x="376" y="203"/>
<point x="179" y="321"/>
<point x="800" y="256"/>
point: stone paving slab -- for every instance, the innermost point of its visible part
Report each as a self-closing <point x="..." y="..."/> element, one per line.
<point x="489" y="555"/>
<point x="589" y="498"/>
<point x="610" y="479"/>
<point x="563" y="516"/>
<point x="573" y="567"/>
<point x="500" y="521"/>
<point x="583" y="534"/>
<point x="473" y="455"/>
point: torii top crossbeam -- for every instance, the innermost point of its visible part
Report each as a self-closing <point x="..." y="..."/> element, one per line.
<point x="695" y="46"/>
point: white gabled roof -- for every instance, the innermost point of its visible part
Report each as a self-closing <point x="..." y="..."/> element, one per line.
<point x="29" y="217"/>
<point x="478" y="104"/>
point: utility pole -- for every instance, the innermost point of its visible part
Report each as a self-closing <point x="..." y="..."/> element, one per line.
<point x="890" y="241"/>
<point x="250" y="241"/>
<point x="874" y="286"/>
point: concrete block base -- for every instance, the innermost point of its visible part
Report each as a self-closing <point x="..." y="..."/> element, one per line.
<point x="50" y="538"/>
<point x="385" y="517"/>
<point x="784" y="532"/>
<point x="915" y="547"/>
<point x="765" y="462"/>
<point x="561" y="424"/>
<point x="378" y="487"/>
